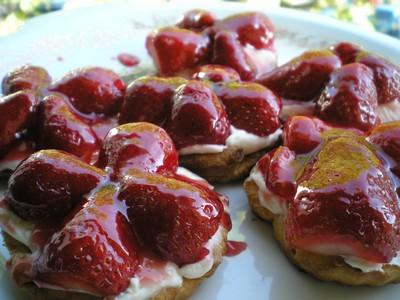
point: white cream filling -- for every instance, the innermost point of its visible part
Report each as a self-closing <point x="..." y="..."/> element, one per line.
<point x="15" y="226"/>
<point x="389" y="112"/>
<point x="266" y="198"/>
<point x="185" y="172"/>
<point x="136" y="291"/>
<point x="366" y="266"/>
<point x="238" y="138"/>
<point x="174" y="274"/>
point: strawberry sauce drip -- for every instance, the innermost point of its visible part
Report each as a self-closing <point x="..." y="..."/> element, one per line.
<point x="234" y="248"/>
<point x="128" y="60"/>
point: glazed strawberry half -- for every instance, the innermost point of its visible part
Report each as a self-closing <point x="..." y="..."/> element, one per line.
<point x="27" y="77"/>
<point x="244" y="42"/>
<point x="350" y="98"/>
<point x="94" y="230"/>
<point x="92" y="90"/>
<point x="251" y="107"/>
<point x="181" y="209"/>
<point x="197" y="116"/>
<point x="140" y="146"/>
<point x="304" y="77"/>
<point x="345" y="204"/>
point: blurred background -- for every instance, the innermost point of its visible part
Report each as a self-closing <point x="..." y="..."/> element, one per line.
<point x="380" y="15"/>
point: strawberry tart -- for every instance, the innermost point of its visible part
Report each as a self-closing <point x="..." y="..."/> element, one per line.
<point x="137" y="226"/>
<point x="332" y="195"/>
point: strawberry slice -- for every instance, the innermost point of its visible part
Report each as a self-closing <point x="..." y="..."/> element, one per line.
<point x="251" y="107"/>
<point x="25" y="78"/>
<point x="347" y="52"/>
<point x="387" y="137"/>
<point x="197" y="116"/>
<point x="94" y="252"/>
<point x="174" y="49"/>
<point x="173" y="218"/>
<point x="350" y="98"/>
<point x="93" y="90"/>
<point x="386" y="76"/>
<point x="196" y="20"/>
<point x="216" y="73"/>
<point x="16" y="114"/>
<point x="345" y="204"/>
<point x="279" y="169"/>
<point x="227" y="51"/>
<point x="49" y="183"/>
<point x="143" y="146"/>
<point x="304" y="77"/>
<point x="149" y="99"/>
<point x="303" y="134"/>
<point x="61" y="127"/>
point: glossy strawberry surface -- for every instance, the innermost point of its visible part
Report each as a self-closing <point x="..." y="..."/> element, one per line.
<point x="93" y="90"/>
<point x="27" y="77"/>
<point x="279" y="170"/>
<point x="386" y="76"/>
<point x="49" y="183"/>
<point x="149" y="99"/>
<point x="347" y="52"/>
<point x="196" y="19"/>
<point x="180" y="210"/>
<point x="387" y="137"/>
<point x="227" y="51"/>
<point x="174" y="49"/>
<point x="345" y="203"/>
<point x="142" y="146"/>
<point x="350" y="98"/>
<point x="251" y="107"/>
<point x="95" y="251"/>
<point x="197" y="116"/>
<point x="216" y="73"/>
<point x="61" y="127"/>
<point x="17" y="113"/>
<point x="302" y="78"/>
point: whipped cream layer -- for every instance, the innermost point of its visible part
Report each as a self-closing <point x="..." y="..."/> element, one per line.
<point x="238" y="138"/>
<point x="266" y="197"/>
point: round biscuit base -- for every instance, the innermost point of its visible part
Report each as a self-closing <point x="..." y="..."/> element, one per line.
<point x="230" y="165"/>
<point x="323" y="267"/>
<point x="171" y="293"/>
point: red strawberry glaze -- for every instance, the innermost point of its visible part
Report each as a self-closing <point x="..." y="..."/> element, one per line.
<point x="141" y="146"/>
<point x="386" y="76"/>
<point x="196" y="20"/>
<point x="149" y="99"/>
<point x="92" y="90"/>
<point x="17" y="114"/>
<point x="88" y="233"/>
<point x="234" y="248"/>
<point x="302" y="78"/>
<point x="179" y="208"/>
<point x="197" y="116"/>
<point x="174" y="49"/>
<point x="350" y="98"/>
<point x="347" y="52"/>
<point x="25" y="78"/>
<point x="216" y="73"/>
<point x="251" y="107"/>
<point x="61" y="127"/>
<point x="128" y="60"/>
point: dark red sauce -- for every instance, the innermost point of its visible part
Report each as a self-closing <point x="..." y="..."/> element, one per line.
<point x="234" y="248"/>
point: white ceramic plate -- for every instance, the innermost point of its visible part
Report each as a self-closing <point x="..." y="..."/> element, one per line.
<point x="95" y="36"/>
